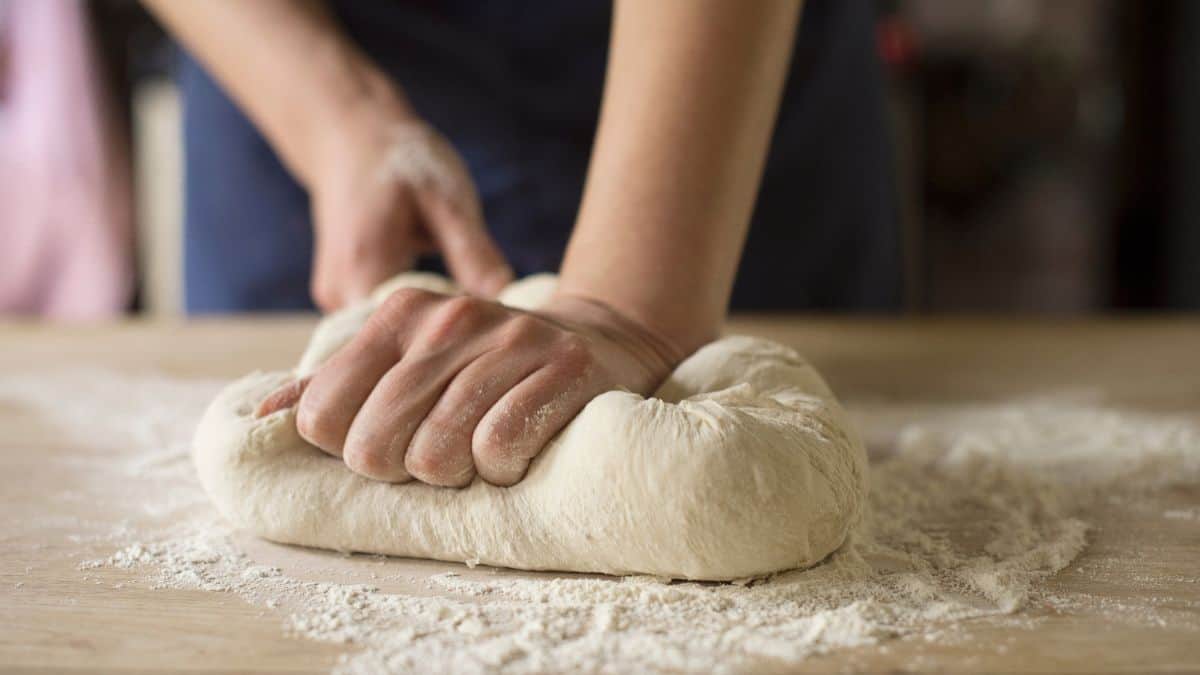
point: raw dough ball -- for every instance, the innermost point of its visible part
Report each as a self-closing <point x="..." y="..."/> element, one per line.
<point x="740" y="465"/>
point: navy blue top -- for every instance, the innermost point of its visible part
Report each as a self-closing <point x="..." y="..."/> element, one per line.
<point x="516" y="86"/>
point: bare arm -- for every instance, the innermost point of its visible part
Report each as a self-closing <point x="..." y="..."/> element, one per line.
<point x="335" y="119"/>
<point x="690" y="101"/>
<point x="288" y="67"/>
<point x="442" y="389"/>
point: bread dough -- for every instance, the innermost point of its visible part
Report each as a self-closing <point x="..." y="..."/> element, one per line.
<point x="741" y="464"/>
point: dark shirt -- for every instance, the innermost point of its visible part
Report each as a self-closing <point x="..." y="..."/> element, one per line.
<point x="516" y="86"/>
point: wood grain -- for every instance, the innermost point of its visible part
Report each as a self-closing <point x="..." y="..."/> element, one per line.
<point x="1141" y="572"/>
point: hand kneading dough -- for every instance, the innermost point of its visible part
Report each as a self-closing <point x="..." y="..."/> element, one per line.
<point x="742" y="464"/>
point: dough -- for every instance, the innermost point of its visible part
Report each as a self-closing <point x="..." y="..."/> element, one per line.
<point x="741" y="464"/>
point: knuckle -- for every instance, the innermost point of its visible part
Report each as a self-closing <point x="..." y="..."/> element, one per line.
<point x="491" y="449"/>
<point x="379" y="329"/>
<point x="404" y="301"/>
<point x="499" y="456"/>
<point x="317" y="426"/>
<point x="498" y="440"/>
<point x="438" y="467"/>
<point x="384" y="322"/>
<point x="573" y="355"/>
<point x="372" y="461"/>
<point x="456" y="316"/>
<point x="425" y="466"/>
<point x="426" y="448"/>
<point x="520" y="330"/>
<point x="435" y="435"/>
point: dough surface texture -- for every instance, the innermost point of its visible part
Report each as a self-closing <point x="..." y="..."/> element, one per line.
<point x="742" y="464"/>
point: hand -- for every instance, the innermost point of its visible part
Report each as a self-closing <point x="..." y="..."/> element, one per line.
<point x="441" y="388"/>
<point x="387" y="189"/>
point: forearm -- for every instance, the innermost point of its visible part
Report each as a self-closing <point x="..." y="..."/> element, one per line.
<point x="689" y="104"/>
<point x="287" y="65"/>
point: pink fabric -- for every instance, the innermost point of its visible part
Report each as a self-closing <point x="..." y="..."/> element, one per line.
<point x="65" y="230"/>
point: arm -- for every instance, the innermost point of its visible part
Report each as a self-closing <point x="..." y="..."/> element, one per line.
<point x="288" y="67"/>
<point x="442" y="389"/>
<point x="334" y="118"/>
<point x="690" y="101"/>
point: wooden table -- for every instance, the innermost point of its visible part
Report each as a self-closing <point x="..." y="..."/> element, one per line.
<point x="56" y="618"/>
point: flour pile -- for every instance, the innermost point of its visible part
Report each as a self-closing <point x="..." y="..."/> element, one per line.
<point x="970" y="509"/>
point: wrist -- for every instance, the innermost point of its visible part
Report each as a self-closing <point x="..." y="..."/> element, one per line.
<point x="658" y="352"/>
<point x="357" y="107"/>
<point x="678" y="319"/>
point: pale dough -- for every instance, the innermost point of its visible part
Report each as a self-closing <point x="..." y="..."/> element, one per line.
<point x="741" y="464"/>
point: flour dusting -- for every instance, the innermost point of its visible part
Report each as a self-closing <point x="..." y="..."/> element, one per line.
<point x="1183" y="514"/>
<point x="971" y="509"/>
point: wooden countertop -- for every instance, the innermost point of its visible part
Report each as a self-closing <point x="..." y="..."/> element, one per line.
<point x="57" y="618"/>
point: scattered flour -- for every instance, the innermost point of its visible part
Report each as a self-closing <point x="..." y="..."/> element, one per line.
<point x="970" y="509"/>
<point x="1183" y="514"/>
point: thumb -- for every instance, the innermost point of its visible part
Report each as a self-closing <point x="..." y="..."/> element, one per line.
<point x="347" y="272"/>
<point x="284" y="397"/>
<point x="361" y="249"/>
<point x="471" y="254"/>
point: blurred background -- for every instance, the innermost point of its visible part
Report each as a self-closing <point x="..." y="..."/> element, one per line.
<point x="1048" y="156"/>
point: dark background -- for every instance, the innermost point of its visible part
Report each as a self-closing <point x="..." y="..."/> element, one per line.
<point x="1049" y="150"/>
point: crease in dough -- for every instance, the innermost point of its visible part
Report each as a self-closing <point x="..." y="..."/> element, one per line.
<point x="740" y="465"/>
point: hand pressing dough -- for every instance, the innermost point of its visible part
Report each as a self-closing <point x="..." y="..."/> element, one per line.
<point x="741" y="464"/>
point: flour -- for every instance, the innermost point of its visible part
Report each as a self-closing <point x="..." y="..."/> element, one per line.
<point x="1182" y="514"/>
<point x="742" y="465"/>
<point x="970" y="511"/>
<point x="418" y="155"/>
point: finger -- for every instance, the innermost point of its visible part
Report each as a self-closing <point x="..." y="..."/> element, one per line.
<point x="356" y="253"/>
<point x="284" y="397"/>
<point x="520" y="424"/>
<point x="449" y="426"/>
<point x="339" y="388"/>
<point x="362" y="279"/>
<point x="470" y="253"/>
<point x="341" y="281"/>
<point x="450" y="337"/>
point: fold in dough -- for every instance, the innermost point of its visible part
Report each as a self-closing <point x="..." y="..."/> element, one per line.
<point x="741" y="464"/>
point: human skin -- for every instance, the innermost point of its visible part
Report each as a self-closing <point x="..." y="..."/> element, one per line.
<point x="439" y="388"/>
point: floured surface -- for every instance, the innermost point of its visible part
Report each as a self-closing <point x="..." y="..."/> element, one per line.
<point x="974" y="511"/>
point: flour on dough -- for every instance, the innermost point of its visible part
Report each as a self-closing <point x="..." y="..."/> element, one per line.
<point x="741" y="464"/>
